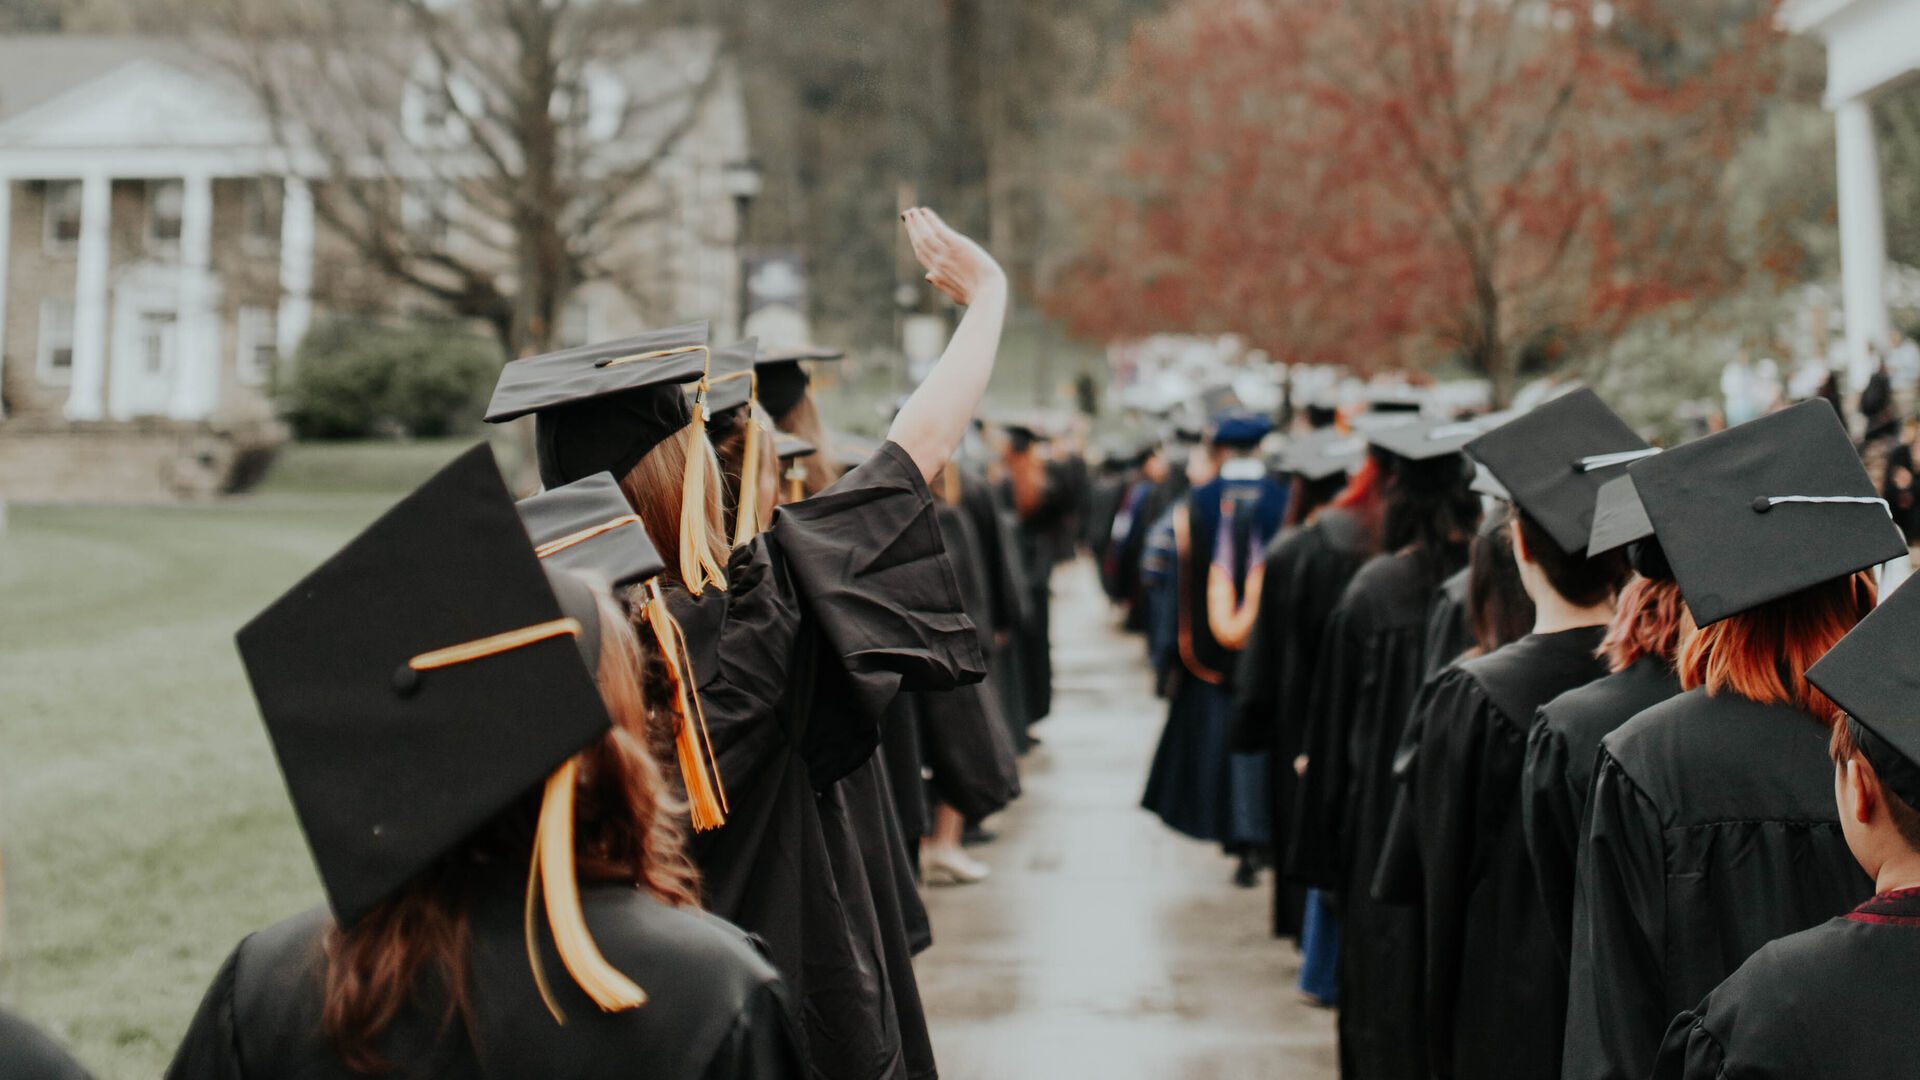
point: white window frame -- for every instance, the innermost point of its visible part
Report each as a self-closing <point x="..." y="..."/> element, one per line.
<point x="49" y="239"/>
<point x="156" y="242"/>
<point x="255" y="327"/>
<point x="44" y="342"/>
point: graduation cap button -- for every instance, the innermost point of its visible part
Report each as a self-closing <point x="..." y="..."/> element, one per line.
<point x="1762" y="504"/>
<point x="405" y="680"/>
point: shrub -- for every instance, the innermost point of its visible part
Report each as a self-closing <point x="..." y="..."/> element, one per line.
<point x="352" y="378"/>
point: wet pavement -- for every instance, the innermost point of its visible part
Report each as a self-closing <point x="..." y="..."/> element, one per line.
<point x="1105" y="945"/>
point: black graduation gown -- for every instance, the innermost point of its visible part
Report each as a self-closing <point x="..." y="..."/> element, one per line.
<point x="1371" y="666"/>
<point x="1307" y="568"/>
<point x="1449" y="634"/>
<point x="1007" y="600"/>
<point x="1832" y="1003"/>
<point x="1493" y="981"/>
<point x="965" y="742"/>
<point x="1561" y="748"/>
<point x="715" y="1007"/>
<point x="28" y="1054"/>
<point x="1711" y="830"/>
<point x="847" y="599"/>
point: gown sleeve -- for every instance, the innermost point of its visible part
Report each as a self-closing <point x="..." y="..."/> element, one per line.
<point x="1397" y="878"/>
<point x="869" y="563"/>
<point x="1455" y="722"/>
<point x="1550" y="821"/>
<point x="1615" y="1009"/>
<point x="762" y="1044"/>
<point x="1690" y="1051"/>
<point x="1316" y="849"/>
<point x="211" y="1048"/>
<point x="1256" y="679"/>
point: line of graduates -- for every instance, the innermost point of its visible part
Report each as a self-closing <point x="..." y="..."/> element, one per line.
<point x="616" y="780"/>
<point x="1553" y="746"/>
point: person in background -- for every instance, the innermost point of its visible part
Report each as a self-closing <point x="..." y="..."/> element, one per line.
<point x="784" y="389"/>
<point x="1711" y="827"/>
<point x="1039" y="491"/>
<point x="1333" y="528"/>
<point x="1836" y="1001"/>
<point x="1370" y="666"/>
<point x="1197" y="784"/>
<point x="1493" y="1010"/>
<point x="1641" y="647"/>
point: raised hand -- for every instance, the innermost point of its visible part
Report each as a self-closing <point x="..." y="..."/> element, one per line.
<point x="955" y="265"/>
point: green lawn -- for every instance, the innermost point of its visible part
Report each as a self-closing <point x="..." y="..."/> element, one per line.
<point x="144" y="824"/>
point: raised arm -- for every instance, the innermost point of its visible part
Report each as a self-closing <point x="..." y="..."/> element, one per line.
<point x="933" y="421"/>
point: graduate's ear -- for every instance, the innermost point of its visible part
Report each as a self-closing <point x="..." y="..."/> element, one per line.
<point x="1519" y="537"/>
<point x="1863" y="789"/>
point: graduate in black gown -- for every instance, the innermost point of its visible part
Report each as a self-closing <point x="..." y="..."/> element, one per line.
<point x="506" y="898"/>
<point x="26" y="1053"/>
<point x="1197" y="784"/>
<point x="1837" y="1001"/>
<point x="1711" y="827"/>
<point x="1370" y="667"/>
<point x="1640" y="649"/>
<point x="1493" y="984"/>
<point x="1307" y="567"/>
<point x="799" y="642"/>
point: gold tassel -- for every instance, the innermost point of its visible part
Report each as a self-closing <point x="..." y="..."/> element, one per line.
<point x="699" y="770"/>
<point x="796" y="484"/>
<point x="746" y="524"/>
<point x="697" y="566"/>
<point x="950" y="483"/>
<point x="553" y="861"/>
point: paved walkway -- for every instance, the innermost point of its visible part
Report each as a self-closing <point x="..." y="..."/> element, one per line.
<point x="1105" y="945"/>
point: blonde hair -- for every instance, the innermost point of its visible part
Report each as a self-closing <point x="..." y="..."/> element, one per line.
<point x="654" y="486"/>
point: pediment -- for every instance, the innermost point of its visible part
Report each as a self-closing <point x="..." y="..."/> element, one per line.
<point x="143" y="103"/>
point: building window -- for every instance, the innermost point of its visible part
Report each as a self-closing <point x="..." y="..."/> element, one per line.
<point x="259" y="350"/>
<point x="166" y="203"/>
<point x="56" y="340"/>
<point x="261" y="211"/>
<point x="63" y="215"/>
<point x="156" y="341"/>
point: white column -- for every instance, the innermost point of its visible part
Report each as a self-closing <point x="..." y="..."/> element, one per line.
<point x="86" y="396"/>
<point x="196" y="357"/>
<point x="1863" y="238"/>
<point x="296" y="265"/>
<point x="6" y="250"/>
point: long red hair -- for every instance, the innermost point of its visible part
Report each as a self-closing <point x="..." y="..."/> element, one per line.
<point x="625" y="831"/>
<point x="1646" y="623"/>
<point x="1763" y="655"/>
<point x="1365" y="495"/>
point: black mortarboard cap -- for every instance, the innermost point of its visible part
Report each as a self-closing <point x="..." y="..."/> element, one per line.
<point x="1553" y="459"/>
<point x="783" y="381"/>
<point x="1765" y="509"/>
<point x="588" y="527"/>
<point x="600" y="408"/>
<point x="732" y="376"/>
<point x="1619" y="518"/>
<point x="1424" y="439"/>
<point x="1874" y="675"/>
<point x="1323" y="454"/>
<point x="417" y="683"/>
<point x="787" y="447"/>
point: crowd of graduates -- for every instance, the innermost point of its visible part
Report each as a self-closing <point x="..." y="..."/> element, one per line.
<point x="1567" y="755"/>
<point x="1572" y="756"/>
<point x="641" y="773"/>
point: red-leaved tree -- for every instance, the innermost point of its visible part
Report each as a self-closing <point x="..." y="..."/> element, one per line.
<point x="1389" y="183"/>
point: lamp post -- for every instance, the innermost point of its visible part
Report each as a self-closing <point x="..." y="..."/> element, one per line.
<point x="743" y="180"/>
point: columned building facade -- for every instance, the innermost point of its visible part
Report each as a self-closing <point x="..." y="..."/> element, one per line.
<point x="1871" y="46"/>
